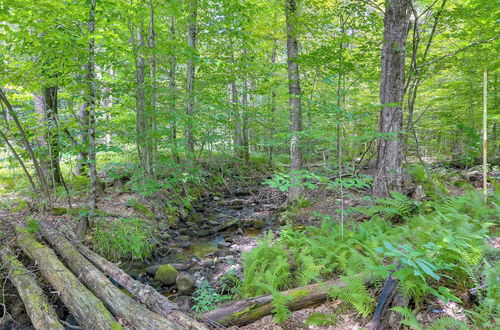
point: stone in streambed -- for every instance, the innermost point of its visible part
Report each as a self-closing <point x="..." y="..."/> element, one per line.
<point x="203" y="232"/>
<point x="185" y="283"/>
<point x="166" y="274"/>
<point x="151" y="270"/>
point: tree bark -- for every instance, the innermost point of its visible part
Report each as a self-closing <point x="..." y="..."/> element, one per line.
<point x="190" y="71"/>
<point x="120" y="304"/>
<point x="143" y="122"/>
<point x="294" y="98"/>
<point x="147" y="295"/>
<point x="46" y="107"/>
<point x="152" y="48"/>
<point x="87" y="309"/>
<point x="39" y="310"/>
<point x="246" y="311"/>
<point x="388" y="174"/>
<point x="87" y="221"/>
<point x="172" y="91"/>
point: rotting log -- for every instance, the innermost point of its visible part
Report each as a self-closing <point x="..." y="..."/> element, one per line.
<point x="120" y="304"/>
<point x="40" y="311"/>
<point x="147" y="295"/>
<point x="89" y="311"/>
<point x="243" y="312"/>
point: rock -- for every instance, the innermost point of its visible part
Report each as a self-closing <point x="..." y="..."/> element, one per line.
<point x="166" y="274"/>
<point x="183" y="238"/>
<point x="225" y="225"/>
<point x="163" y="251"/>
<point x="222" y="253"/>
<point x="185" y="283"/>
<point x="203" y="232"/>
<point x="184" y="244"/>
<point x="223" y="244"/>
<point x="165" y="237"/>
<point x="258" y="223"/>
<point x="151" y="270"/>
<point x="186" y="231"/>
<point x="183" y="267"/>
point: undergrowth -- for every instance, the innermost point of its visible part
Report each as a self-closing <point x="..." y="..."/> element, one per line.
<point x="432" y="251"/>
<point x="125" y="238"/>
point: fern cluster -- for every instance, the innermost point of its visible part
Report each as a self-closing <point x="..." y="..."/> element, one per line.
<point x="435" y="249"/>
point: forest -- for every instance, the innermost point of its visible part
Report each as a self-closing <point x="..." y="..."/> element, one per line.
<point x="249" y="164"/>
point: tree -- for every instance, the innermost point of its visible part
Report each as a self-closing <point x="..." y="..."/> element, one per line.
<point x="294" y="97"/>
<point x="192" y="32"/>
<point x="88" y="220"/>
<point x="388" y="173"/>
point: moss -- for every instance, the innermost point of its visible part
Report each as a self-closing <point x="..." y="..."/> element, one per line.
<point x="166" y="274"/>
<point x="144" y="210"/>
<point x="59" y="211"/>
<point x="297" y="294"/>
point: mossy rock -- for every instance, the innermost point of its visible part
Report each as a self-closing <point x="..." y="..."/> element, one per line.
<point x="166" y="274"/>
<point x="144" y="210"/>
<point x="258" y="223"/>
<point x="185" y="283"/>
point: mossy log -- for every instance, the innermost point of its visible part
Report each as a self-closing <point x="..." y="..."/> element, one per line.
<point x="40" y="312"/>
<point x="87" y="309"/>
<point x="246" y="311"/>
<point x="120" y="304"/>
<point x="144" y="293"/>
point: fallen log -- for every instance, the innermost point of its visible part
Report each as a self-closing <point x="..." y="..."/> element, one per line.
<point x="40" y="312"/>
<point x="147" y="295"/>
<point x="86" y="308"/>
<point x="120" y="304"/>
<point x="243" y="312"/>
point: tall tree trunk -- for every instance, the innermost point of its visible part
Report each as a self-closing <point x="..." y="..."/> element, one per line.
<point x="192" y="31"/>
<point x="46" y="106"/>
<point x="87" y="221"/>
<point x="388" y="175"/>
<point x="272" y="128"/>
<point x="236" y="118"/>
<point x="82" y="165"/>
<point x="143" y="122"/>
<point x="152" y="48"/>
<point x="294" y="98"/>
<point x="245" y="104"/>
<point x="172" y="90"/>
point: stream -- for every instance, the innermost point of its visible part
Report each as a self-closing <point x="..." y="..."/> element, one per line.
<point x="209" y="243"/>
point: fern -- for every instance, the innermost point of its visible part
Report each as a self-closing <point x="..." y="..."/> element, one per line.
<point x="395" y="208"/>
<point x="445" y="242"/>
<point x="409" y="319"/>
<point x="354" y="293"/>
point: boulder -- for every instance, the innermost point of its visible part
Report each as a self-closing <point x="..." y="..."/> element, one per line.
<point x="151" y="270"/>
<point x="185" y="283"/>
<point x="166" y="274"/>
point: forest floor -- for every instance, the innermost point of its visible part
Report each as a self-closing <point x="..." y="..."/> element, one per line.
<point x="207" y="245"/>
